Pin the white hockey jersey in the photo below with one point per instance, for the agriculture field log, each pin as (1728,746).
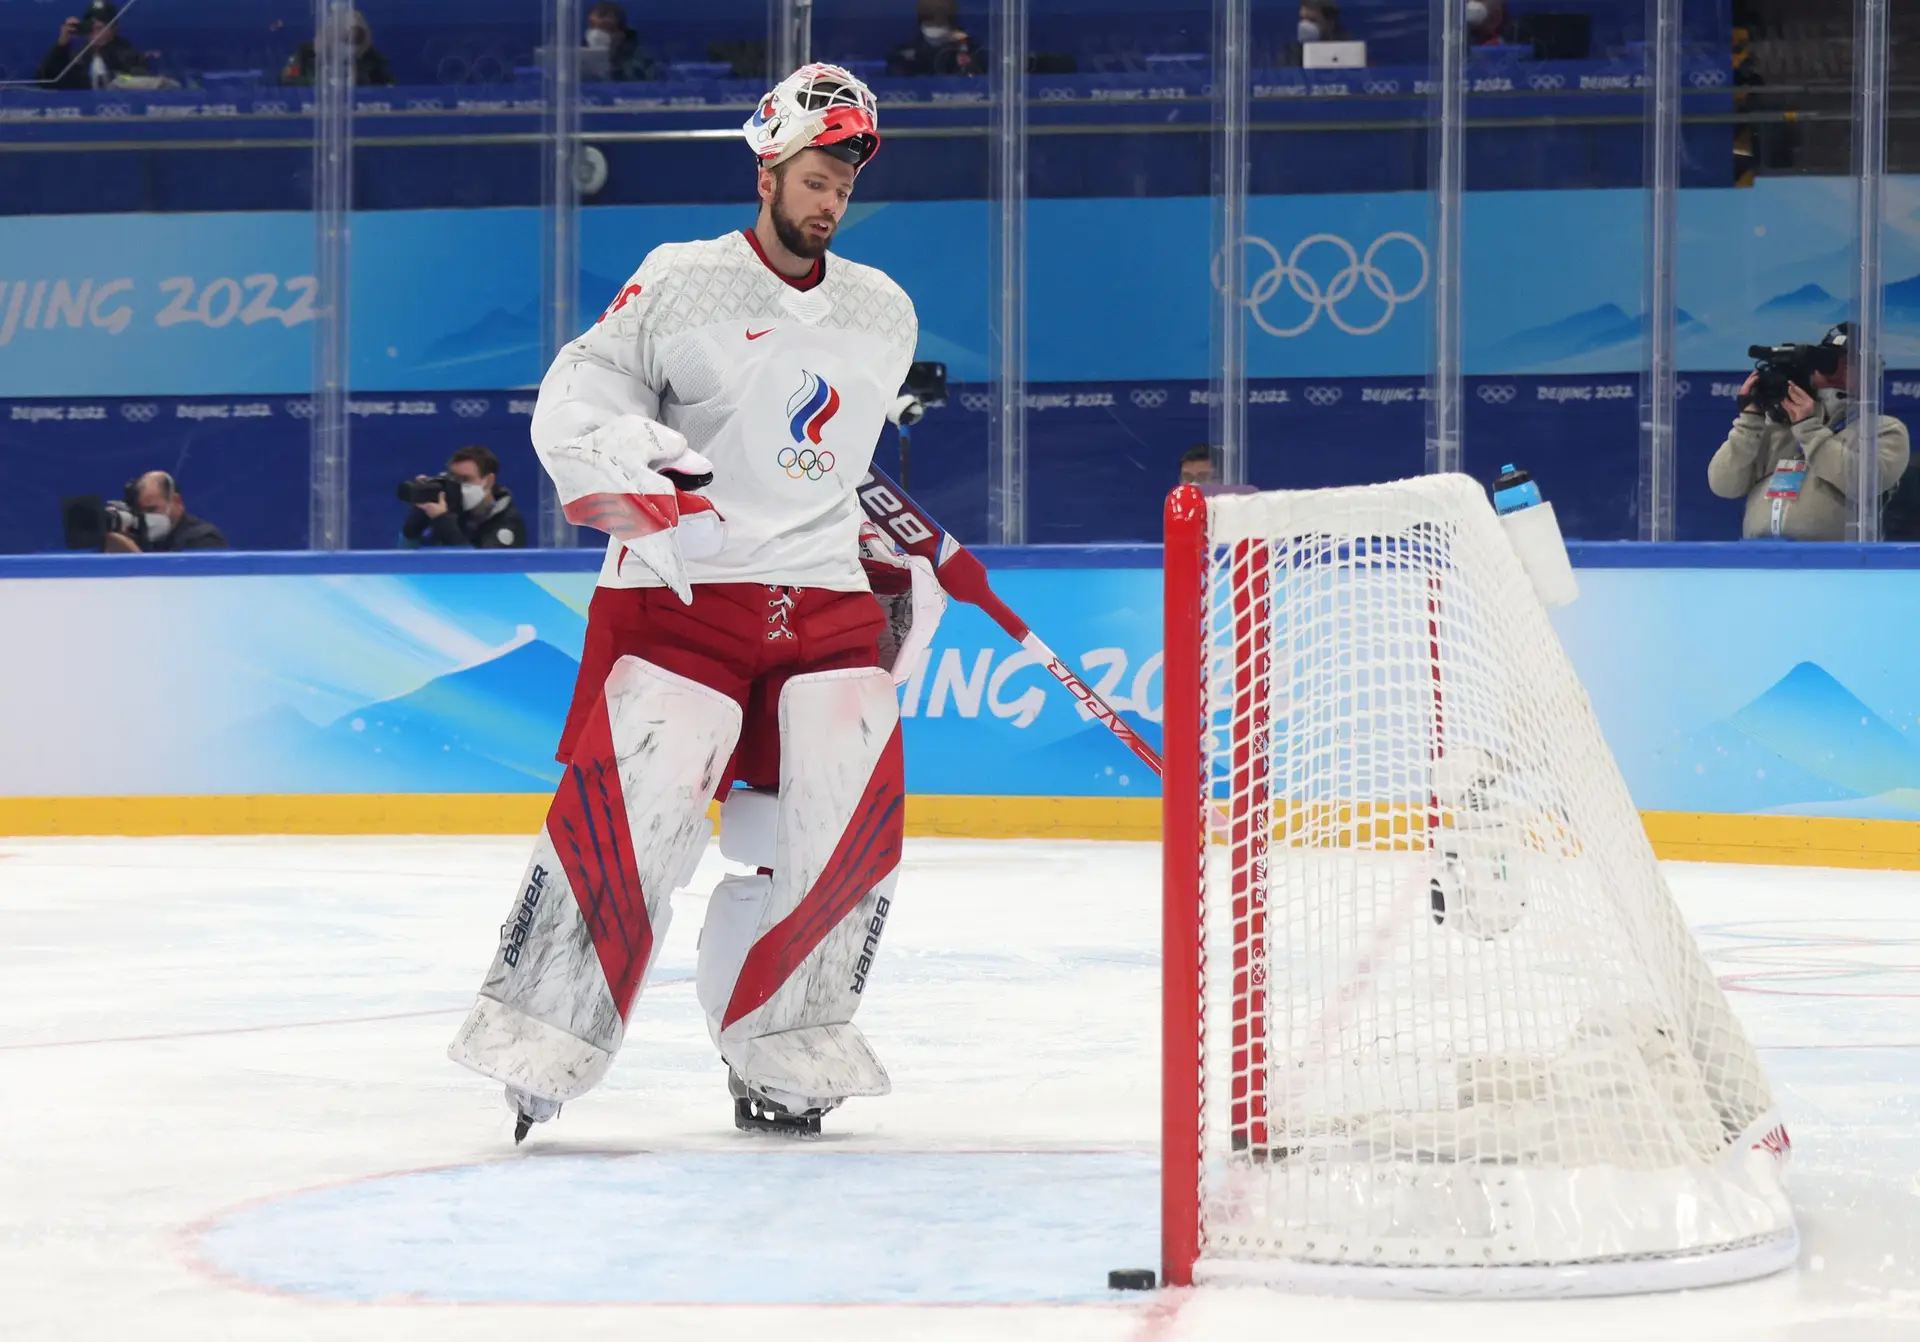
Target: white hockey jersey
(782,384)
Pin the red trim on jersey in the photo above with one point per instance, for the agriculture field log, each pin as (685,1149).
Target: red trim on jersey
(806,281)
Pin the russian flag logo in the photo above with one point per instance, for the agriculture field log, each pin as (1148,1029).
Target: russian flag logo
(810,408)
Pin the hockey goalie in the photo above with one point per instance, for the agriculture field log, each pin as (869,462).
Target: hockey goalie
(715,423)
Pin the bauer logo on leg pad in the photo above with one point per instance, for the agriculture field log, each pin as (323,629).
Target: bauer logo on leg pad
(514,936)
(875,926)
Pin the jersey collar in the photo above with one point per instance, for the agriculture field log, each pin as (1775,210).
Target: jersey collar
(810,280)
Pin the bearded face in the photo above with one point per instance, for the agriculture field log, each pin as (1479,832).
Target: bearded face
(808,199)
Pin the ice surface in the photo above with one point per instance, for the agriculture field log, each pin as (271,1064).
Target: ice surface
(229,1115)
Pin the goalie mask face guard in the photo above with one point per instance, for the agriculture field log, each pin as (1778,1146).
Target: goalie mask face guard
(816,107)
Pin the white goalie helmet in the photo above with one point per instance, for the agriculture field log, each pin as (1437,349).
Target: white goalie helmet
(816,107)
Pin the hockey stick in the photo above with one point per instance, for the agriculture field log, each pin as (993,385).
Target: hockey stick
(965,578)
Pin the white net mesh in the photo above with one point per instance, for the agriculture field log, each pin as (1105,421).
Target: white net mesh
(1451,1016)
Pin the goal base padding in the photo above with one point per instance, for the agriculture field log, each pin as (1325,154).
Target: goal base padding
(1626,1276)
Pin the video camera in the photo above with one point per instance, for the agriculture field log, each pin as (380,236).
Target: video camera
(442,488)
(1782,367)
(86,520)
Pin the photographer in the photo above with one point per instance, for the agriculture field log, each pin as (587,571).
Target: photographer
(1793,453)
(466,506)
(155,520)
(103,54)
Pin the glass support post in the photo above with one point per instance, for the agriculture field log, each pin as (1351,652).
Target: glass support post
(1446,187)
(1659,376)
(329,448)
(1870,43)
(1007,278)
(559,223)
(1232,159)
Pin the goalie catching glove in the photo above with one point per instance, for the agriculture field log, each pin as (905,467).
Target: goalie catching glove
(634,479)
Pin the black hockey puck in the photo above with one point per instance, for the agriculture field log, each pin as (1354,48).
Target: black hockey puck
(1130,1279)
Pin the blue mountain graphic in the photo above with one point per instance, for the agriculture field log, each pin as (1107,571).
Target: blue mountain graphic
(510,335)
(507,712)
(280,751)
(1903,301)
(1583,333)
(1811,720)
(1807,746)
(1807,303)
(1720,768)
(500,334)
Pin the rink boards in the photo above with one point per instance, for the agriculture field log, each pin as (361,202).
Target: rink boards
(1759,699)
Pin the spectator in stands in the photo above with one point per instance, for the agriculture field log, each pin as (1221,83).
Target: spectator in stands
(1486,22)
(166,525)
(627,60)
(95,62)
(940,48)
(370,69)
(1800,478)
(486,518)
(1319,22)
(1196,465)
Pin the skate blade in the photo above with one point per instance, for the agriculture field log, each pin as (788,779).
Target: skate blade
(747,1119)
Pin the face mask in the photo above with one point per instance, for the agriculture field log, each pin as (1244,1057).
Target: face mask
(472,496)
(599,39)
(1832,401)
(1476,13)
(1309,31)
(934,32)
(159,525)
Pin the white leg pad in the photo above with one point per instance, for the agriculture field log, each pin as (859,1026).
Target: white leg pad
(781,1008)
(811,1067)
(510,1046)
(690,865)
(625,827)
(733,920)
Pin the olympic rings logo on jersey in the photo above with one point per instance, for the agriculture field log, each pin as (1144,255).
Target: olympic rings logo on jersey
(1328,294)
(803,463)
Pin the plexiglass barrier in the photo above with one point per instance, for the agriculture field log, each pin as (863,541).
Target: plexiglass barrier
(1285,244)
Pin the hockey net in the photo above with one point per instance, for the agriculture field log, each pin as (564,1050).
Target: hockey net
(1434,1022)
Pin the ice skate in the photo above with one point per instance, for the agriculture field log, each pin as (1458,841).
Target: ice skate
(756,1111)
(528,1109)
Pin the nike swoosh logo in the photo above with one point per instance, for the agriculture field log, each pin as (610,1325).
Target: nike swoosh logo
(755,335)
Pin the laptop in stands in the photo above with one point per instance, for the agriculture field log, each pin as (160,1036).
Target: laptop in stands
(1333,55)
